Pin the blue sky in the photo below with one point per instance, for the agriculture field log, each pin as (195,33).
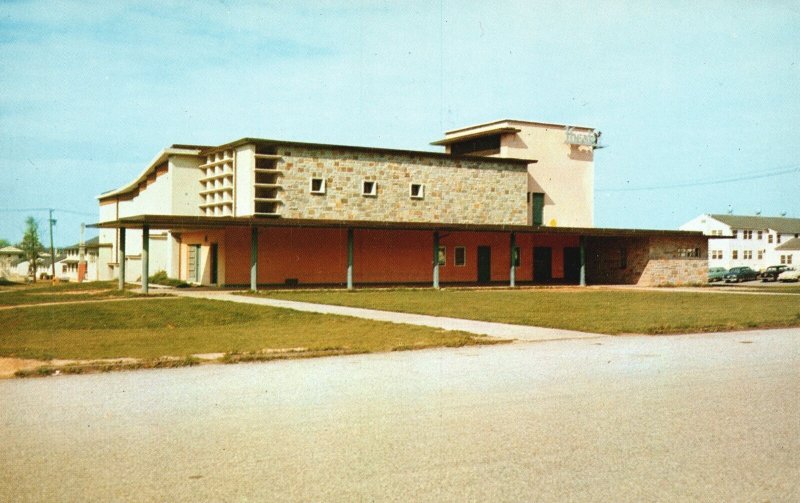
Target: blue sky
(684,92)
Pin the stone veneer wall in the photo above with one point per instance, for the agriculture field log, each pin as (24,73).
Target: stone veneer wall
(457,190)
(651,261)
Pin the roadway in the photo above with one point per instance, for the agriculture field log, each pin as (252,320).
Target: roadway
(711,417)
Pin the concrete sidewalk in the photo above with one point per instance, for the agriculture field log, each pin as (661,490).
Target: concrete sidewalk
(491,329)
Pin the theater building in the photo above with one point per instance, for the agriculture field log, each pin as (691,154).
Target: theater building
(507,202)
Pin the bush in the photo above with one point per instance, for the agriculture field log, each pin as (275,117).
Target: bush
(161,278)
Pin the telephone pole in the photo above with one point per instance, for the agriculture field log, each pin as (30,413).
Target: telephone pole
(52,249)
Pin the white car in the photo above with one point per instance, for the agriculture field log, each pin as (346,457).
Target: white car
(789,275)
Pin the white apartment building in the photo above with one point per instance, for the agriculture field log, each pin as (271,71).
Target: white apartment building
(754,241)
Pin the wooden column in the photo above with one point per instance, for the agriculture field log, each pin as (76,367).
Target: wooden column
(121,258)
(254,258)
(350,246)
(583,261)
(436,259)
(145,258)
(513,271)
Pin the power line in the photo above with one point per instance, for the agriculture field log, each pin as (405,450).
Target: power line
(60,210)
(709,182)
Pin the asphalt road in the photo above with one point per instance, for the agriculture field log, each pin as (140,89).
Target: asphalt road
(680,418)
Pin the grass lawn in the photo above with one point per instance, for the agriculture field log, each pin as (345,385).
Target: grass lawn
(772,288)
(590,310)
(44,292)
(180,327)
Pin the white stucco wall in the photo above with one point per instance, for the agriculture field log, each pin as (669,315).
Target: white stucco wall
(185,185)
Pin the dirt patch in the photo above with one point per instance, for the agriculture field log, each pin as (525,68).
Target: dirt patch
(8,366)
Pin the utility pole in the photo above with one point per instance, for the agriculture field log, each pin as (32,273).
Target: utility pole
(82,256)
(52,249)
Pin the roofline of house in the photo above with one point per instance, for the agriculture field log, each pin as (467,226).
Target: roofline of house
(521,163)
(188,222)
(158,160)
(535,123)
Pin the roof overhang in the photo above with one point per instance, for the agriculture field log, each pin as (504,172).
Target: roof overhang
(160,159)
(180,223)
(447,140)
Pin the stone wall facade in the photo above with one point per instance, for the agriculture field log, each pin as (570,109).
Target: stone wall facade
(647,261)
(456,190)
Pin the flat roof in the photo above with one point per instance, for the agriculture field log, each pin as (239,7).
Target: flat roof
(374,150)
(535,123)
(188,222)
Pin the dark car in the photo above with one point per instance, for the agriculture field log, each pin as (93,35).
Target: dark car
(772,272)
(737,274)
(716,274)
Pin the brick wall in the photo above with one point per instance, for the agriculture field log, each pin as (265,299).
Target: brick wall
(653,261)
(456,190)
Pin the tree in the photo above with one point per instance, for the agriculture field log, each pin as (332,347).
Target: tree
(31,246)
(4,243)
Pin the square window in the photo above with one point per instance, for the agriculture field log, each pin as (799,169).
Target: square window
(417,191)
(369,188)
(460,256)
(442,255)
(317,186)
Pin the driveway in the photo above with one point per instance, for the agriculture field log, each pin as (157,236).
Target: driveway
(712,417)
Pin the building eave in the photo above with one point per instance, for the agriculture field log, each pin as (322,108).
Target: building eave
(519,163)
(190,222)
(159,159)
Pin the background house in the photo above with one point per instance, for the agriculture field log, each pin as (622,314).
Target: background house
(754,241)
(68,267)
(9,256)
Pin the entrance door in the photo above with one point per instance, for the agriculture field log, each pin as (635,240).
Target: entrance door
(484,264)
(542,264)
(572,265)
(193,264)
(213,259)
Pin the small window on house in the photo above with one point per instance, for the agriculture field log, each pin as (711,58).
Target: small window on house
(748,254)
(369,188)
(778,238)
(760,234)
(760,254)
(442,258)
(769,238)
(460,256)
(417,191)
(735,254)
(317,186)
(516,256)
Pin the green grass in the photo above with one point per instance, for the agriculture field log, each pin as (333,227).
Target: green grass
(180,327)
(44,292)
(599,311)
(782,288)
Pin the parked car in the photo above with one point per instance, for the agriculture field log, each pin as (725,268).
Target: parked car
(771,273)
(737,274)
(716,274)
(789,274)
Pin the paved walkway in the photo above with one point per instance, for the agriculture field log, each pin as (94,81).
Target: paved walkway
(499,330)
